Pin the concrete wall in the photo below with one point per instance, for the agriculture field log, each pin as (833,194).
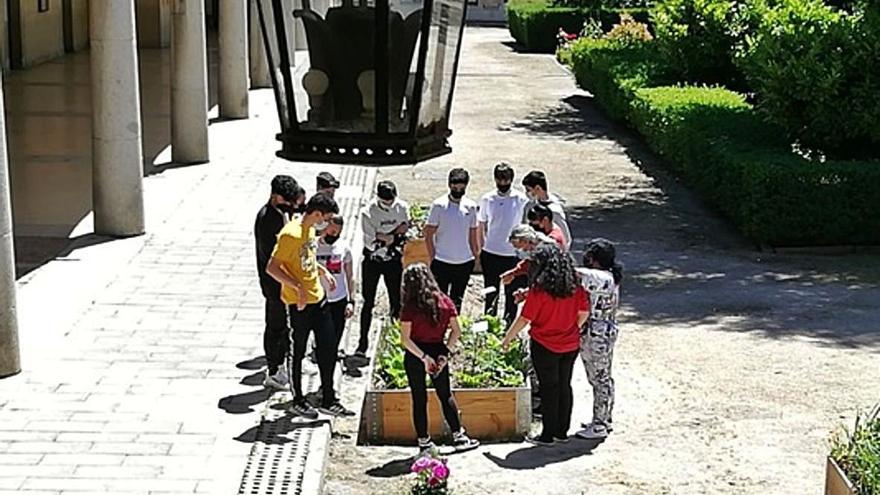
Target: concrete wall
(80,23)
(153,23)
(42,33)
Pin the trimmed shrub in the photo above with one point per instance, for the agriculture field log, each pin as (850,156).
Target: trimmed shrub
(717,143)
(534,24)
(701,37)
(815,72)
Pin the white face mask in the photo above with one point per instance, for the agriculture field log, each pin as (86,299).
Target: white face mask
(531,195)
(321,226)
(522,254)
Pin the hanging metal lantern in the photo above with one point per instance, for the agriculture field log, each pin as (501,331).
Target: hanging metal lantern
(377,86)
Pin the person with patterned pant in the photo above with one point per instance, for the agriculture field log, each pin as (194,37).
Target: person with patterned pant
(600,277)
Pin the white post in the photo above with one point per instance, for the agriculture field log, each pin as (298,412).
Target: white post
(117,155)
(10,359)
(259,64)
(189,83)
(233,47)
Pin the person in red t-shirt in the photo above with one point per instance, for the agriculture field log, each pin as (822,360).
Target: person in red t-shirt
(426,315)
(555,308)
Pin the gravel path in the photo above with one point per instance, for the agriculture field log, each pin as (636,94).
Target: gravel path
(733,364)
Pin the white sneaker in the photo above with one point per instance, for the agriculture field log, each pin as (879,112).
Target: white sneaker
(278,381)
(593,432)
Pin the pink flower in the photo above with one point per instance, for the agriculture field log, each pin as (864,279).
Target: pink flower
(441,471)
(421,464)
(433,482)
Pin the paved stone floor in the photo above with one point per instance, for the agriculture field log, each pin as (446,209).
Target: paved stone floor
(733,365)
(141,370)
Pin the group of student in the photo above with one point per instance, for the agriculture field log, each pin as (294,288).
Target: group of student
(522,240)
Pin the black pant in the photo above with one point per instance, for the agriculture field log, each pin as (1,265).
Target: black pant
(337,314)
(453,279)
(415,374)
(371,270)
(315,317)
(493,266)
(276,338)
(554,373)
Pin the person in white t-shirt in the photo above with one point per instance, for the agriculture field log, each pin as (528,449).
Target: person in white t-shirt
(336,258)
(451,237)
(500,211)
(535,184)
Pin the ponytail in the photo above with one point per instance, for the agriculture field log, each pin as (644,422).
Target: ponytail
(617,271)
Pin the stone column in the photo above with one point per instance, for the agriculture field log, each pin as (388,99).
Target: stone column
(10,359)
(189,83)
(233,45)
(117,155)
(259,64)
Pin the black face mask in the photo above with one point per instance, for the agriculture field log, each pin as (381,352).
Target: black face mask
(300,208)
(330,239)
(503,189)
(456,194)
(537,228)
(285,208)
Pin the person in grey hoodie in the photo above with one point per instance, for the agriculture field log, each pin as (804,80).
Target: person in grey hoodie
(384,221)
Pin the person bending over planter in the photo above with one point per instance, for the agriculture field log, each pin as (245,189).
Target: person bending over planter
(426,315)
(600,277)
(556,308)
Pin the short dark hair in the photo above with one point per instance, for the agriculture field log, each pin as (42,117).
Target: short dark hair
(503,171)
(539,212)
(338,220)
(322,202)
(459,176)
(535,178)
(325,180)
(285,186)
(386,190)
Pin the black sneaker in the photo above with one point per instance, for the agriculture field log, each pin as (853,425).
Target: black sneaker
(336,409)
(462,443)
(561,439)
(539,440)
(353,372)
(303,409)
(360,358)
(426,445)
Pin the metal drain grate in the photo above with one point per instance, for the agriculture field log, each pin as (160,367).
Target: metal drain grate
(277,460)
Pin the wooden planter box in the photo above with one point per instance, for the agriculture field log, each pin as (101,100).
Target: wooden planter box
(415,251)
(836,482)
(497,414)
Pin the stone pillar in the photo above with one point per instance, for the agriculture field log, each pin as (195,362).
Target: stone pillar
(117,155)
(233,45)
(10,359)
(259,64)
(189,83)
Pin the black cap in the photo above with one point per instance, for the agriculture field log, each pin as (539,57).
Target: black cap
(386,190)
(326,179)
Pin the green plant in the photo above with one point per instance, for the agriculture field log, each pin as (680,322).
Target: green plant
(857,452)
(628,32)
(814,70)
(700,37)
(418,216)
(479,363)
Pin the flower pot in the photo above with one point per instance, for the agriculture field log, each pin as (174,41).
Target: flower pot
(836,482)
(416,251)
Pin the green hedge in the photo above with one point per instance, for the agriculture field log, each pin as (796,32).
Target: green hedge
(716,142)
(534,24)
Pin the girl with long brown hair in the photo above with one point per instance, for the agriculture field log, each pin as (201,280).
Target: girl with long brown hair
(426,315)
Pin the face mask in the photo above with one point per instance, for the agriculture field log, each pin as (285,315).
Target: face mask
(503,189)
(285,208)
(530,195)
(522,254)
(300,208)
(456,194)
(386,205)
(538,228)
(320,226)
(330,239)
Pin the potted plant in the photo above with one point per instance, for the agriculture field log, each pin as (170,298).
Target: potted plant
(415,250)
(490,387)
(853,468)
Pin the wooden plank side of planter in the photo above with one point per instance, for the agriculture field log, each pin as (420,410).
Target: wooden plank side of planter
(836,482)
(487,414)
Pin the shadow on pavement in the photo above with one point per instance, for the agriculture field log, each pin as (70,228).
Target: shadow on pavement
(253,380)
(243,403)
(279,427)
(535,457)
(391,469)
(256,363)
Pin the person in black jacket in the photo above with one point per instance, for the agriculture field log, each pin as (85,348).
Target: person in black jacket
(286,196)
